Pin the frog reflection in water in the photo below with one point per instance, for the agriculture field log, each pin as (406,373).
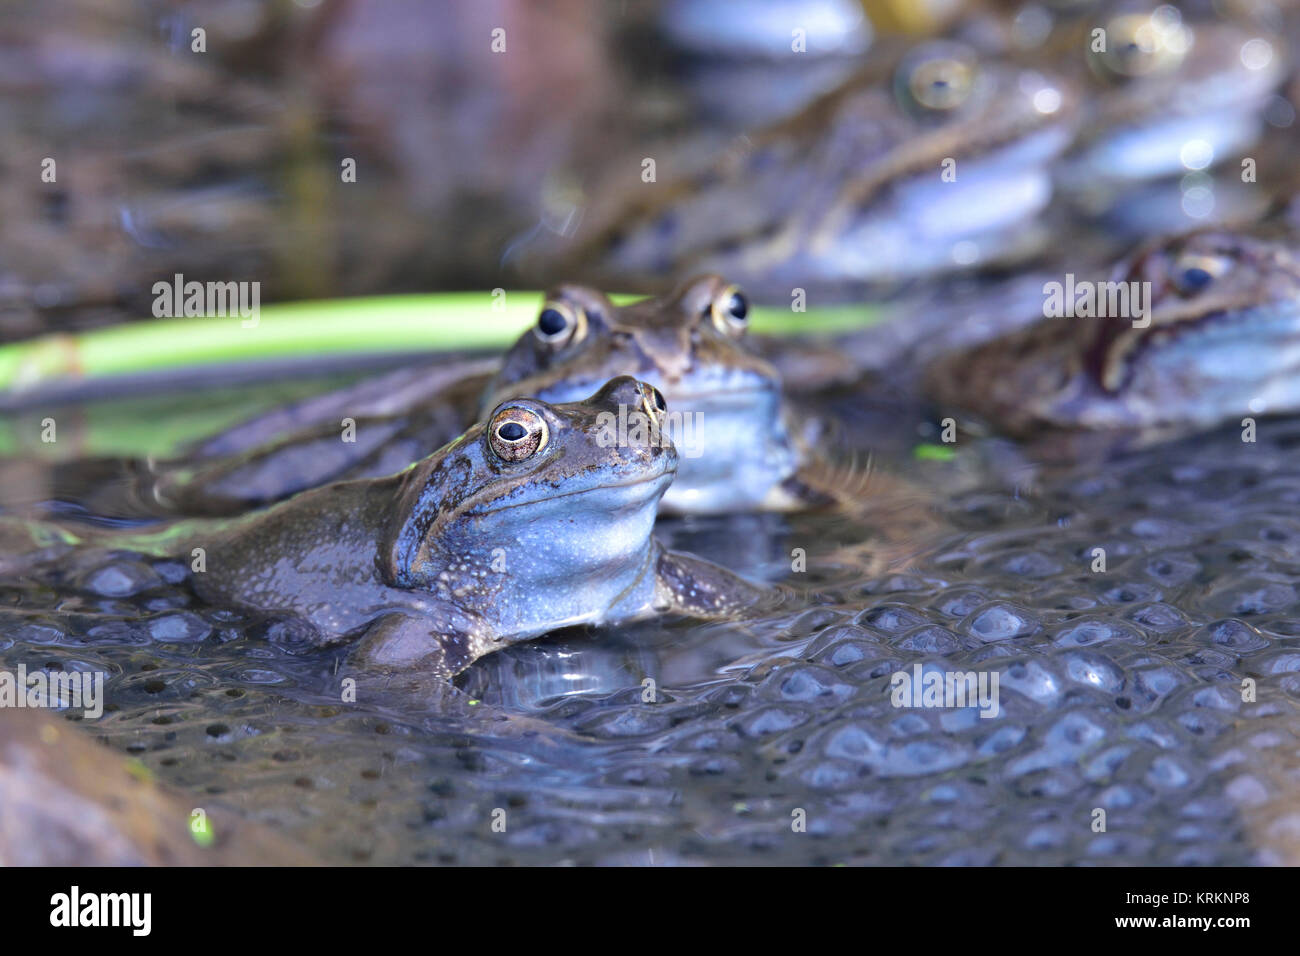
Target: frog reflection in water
(1222,344)
(531,521)
(727,419)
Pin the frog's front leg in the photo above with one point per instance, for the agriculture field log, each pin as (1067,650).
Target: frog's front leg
(407,661)
(414,643)
(685,584)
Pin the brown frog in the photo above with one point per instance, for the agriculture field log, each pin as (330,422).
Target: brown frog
(930,161)
(1218,341)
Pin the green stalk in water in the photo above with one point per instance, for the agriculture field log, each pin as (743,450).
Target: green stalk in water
(337,327)
(104,385)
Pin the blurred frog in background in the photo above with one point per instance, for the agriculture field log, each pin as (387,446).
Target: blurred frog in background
(734,57)
(1217,342)
(1170,99)
(1181,127)
(962,155)
(928,162)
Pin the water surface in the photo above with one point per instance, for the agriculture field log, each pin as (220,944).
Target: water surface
(1120,690)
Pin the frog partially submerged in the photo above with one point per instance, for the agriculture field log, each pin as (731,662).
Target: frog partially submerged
(536,519)
(728,419)
(1220,342)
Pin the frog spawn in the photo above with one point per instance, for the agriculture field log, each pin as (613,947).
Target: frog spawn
(1119,690)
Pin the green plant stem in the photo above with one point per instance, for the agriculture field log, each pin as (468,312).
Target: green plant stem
(383,324)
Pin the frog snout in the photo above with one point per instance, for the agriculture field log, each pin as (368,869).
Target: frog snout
(630,395)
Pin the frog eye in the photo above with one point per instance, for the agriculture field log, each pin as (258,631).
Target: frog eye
(560,323)
(936,83)
(1191,274)
(1137,46)
(517,433)
(730,311)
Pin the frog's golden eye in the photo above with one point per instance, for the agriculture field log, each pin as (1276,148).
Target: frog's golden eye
(1137,45)
(517,433)
(1192,274)
(730,311)
(936,83)
(560,323)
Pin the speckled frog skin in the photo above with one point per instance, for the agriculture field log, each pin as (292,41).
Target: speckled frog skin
(529,522)
(1222,344)
(727,414)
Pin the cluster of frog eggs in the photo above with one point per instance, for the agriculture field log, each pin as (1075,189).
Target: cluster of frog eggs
(1120,691)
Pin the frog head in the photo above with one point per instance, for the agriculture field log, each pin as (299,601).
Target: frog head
(725,401)
(540,513)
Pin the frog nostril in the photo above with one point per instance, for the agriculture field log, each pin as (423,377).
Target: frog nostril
(623,390)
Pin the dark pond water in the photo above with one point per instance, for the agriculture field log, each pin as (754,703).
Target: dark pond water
(1119,690)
